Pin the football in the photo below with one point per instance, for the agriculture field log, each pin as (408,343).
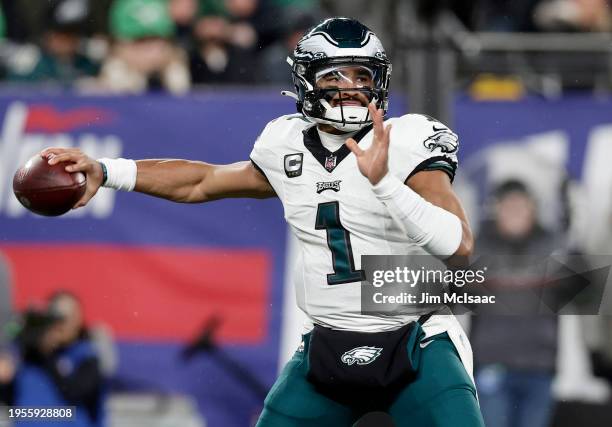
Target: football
(48,189)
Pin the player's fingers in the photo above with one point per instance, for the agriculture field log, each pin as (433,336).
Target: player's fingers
(82,202)
(63,157)
(372,110)
(85,199)
(81,163)
(377,121)
(54,151)
(71,156)
(79,166)
(387,137)
(51,151)
(352,145)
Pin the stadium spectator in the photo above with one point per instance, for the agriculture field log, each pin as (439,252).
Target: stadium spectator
(505,15)
(59,365)
(228,34)
(7,373)
(515,353)
(60,59)
(379,14)
(144,56)
(184,14)
(99,12)
(273,62)
(67,307)
(573,15)
(25,20)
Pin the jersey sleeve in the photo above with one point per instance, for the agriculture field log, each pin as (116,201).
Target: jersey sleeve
(265,155)
(261,154)
(421,143)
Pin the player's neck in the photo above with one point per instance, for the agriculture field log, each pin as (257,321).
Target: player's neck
(333,141)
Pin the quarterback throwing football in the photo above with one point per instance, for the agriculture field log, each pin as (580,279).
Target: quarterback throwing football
(351,184)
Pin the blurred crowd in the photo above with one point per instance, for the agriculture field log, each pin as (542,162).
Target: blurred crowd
(534,15)
(129,46)
(49,357)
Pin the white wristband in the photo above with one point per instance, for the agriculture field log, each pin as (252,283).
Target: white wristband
(386,186)
(438,231)
(120,173)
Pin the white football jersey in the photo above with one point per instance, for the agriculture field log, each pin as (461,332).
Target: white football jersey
(335,215)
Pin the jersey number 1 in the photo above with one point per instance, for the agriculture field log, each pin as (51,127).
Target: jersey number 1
(339,242)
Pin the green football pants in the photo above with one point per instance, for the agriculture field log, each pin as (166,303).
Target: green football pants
(443,395)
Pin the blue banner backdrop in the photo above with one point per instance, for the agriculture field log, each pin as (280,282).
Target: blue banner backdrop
(217,127)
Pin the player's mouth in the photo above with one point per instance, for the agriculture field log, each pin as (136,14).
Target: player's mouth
(352,101)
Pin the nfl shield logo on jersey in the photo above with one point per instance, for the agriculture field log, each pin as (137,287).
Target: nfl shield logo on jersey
(293,164)
(330,163)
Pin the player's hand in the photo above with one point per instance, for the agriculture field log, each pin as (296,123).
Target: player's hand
(373,162)
(80,162)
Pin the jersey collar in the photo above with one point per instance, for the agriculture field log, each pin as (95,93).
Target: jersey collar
(326,158)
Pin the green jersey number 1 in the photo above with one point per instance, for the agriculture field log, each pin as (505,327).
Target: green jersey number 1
(339,242)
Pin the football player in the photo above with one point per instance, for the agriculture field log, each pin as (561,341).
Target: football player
(351,184)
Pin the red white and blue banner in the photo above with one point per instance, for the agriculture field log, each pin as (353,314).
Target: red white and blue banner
(155,272)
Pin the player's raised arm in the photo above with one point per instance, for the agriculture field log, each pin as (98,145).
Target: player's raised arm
(435,187)
(426,208)
(177,180)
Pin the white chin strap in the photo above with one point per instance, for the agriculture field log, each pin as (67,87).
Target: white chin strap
(352,116)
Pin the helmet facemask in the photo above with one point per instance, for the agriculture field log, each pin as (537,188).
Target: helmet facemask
(345,48)
(337,91)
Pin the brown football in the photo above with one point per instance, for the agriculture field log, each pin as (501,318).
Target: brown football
(48,189)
